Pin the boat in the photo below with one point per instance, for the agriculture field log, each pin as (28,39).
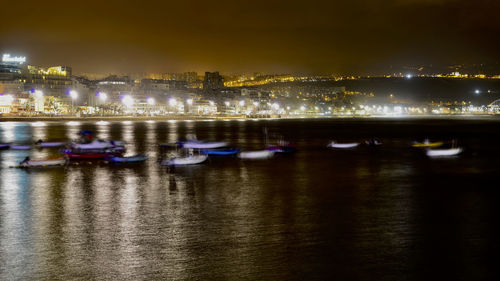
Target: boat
(49,144)
(4,146)
(203,145)
(444,152)
(221,151)
(257,154)
(427,143)
(91,155)
(43,162)
(20,147)
(128,159)
(334,144)
(90,148)
(185,160)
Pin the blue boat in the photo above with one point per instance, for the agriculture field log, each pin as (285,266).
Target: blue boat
(221,152)
(128,159)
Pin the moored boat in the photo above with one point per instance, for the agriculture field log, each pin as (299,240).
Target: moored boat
(221,151)
(257,154)
(49,144)
(43,162)
(185,160)
(334,144)
(20,147)
(204,145)
(444,152)
(4,146)
(128,159)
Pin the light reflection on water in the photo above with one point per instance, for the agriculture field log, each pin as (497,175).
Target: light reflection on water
(360,214)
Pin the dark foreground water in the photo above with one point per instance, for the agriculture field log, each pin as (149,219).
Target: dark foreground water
(388,213)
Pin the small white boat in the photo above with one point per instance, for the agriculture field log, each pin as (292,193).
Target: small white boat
(204,145)
(444,152)
(334,144)
(258,154)
(43,163)
(186,160)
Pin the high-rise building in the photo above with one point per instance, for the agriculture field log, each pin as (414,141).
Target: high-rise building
(213,81)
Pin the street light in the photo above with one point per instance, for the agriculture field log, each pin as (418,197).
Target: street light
(74,95)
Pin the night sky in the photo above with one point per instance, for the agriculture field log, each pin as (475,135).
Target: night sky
(339,37)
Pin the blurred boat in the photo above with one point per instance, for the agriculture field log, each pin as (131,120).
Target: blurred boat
(20,147)
(43,162)
(221,151)
(258,154)
(185,160)
(41,143)
(334,144)
(427,143)
(204,145)
(4,146)
(128,159)
(444,152)
(89,148)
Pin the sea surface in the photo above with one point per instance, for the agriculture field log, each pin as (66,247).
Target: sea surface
(384,213)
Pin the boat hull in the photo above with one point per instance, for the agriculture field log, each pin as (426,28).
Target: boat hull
(131,159)
(443,152)
(181,161)
(44,163)
(259,154)
(222,152)
(343,145)
(204,145)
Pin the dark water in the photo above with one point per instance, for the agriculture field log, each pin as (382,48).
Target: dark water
(388,213)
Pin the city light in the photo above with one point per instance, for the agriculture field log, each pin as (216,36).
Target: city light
(226,103)
(189,101)
(211,103)
(408,76)
(255,103)
(150,101)
(73,94)
(303,108)
(103,96)
(477,91)
(128,101)
(276,106)
(172,102)
(38,94)
(8,58)
(242,102)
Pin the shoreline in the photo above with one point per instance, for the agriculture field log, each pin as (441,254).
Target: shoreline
(226,118)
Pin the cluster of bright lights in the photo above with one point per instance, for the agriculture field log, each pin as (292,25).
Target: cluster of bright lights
(172,102)
(73,94)
(103,96)
(128,101)
(150,101)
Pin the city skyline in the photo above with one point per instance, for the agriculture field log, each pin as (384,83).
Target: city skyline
(322,37)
